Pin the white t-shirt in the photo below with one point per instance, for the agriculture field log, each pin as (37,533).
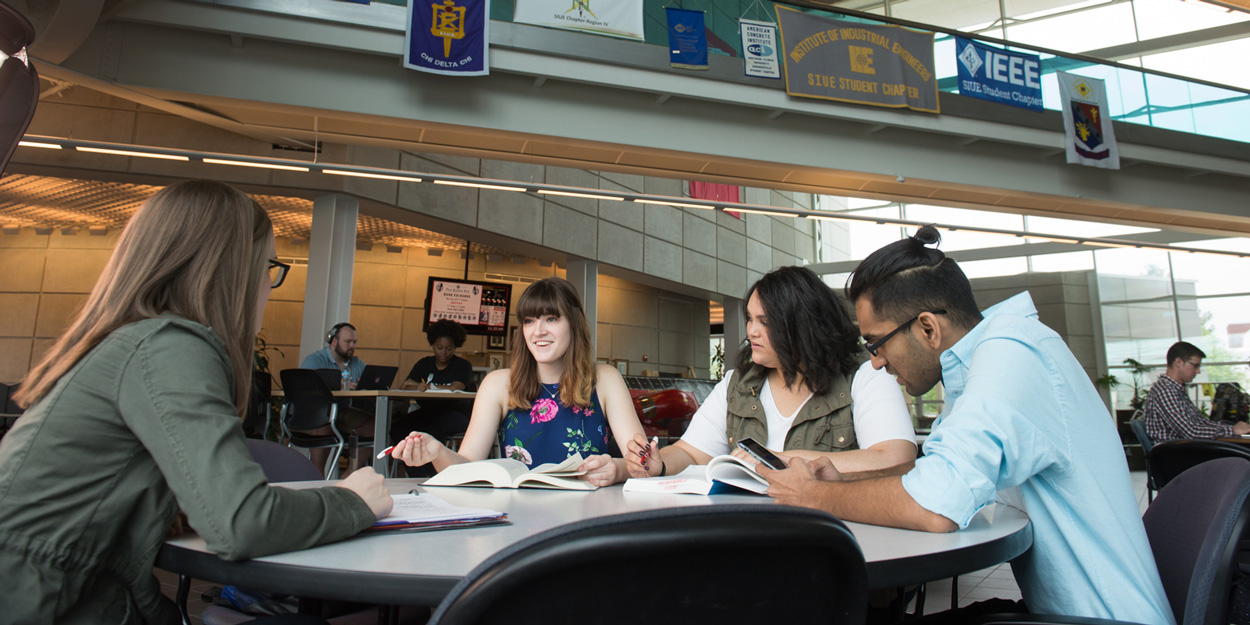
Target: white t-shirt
(878,410)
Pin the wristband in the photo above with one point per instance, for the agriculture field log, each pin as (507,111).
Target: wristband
(663,469)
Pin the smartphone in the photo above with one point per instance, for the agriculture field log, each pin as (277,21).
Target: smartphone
(761,453)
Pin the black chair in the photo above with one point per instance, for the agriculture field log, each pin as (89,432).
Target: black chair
(310,406)
(729,564)
(1194,526)
(281,463)
(1171,458)
(1138,425)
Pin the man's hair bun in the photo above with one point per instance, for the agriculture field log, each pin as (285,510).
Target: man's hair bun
(928,235)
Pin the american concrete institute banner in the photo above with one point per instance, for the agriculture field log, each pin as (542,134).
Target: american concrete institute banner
(617,18)
(448,37)
(853,62)
(1087,132)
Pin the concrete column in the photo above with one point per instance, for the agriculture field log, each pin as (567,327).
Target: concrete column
(735,330)
(584,274)
(331,253)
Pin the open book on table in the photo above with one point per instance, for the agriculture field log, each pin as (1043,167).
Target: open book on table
(722,474)
(426,511)
(509,473)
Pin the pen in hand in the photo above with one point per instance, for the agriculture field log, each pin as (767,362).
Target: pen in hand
(382,454)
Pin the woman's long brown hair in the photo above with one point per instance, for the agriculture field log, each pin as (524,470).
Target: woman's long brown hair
(196,249)
(553,296)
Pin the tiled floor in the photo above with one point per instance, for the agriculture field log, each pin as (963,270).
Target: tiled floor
(996,582)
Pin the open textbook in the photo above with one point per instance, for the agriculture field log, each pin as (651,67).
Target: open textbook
(509,473)
(722,474)
(426,511)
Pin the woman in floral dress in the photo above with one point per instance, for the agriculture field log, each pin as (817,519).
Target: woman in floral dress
(553,402)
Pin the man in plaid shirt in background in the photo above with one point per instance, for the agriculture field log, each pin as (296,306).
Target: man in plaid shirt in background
(1169,413)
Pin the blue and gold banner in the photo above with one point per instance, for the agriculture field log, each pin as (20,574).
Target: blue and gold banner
(448,37)
(997,75)
(854,62)
(687,39)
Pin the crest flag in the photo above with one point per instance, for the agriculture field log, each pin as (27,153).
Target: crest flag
(687,39)
(448,37)
(1088,136)
(616,18)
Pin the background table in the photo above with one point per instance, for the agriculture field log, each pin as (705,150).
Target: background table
(419,568)
(382,413)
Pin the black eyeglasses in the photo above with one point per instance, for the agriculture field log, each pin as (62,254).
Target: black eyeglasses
(277,272)
(875,345)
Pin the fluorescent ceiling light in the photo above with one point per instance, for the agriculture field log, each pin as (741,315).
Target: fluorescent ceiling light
(585,195)
(218,161)
(38,144)
(168,157)
(360,174)
(760,212)
(681,204)
(476,185)
(1108,244)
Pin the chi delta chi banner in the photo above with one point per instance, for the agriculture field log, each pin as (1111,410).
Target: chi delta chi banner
(1087,131)
(759,49)
(687,39)
(853,62)
(996,75)
(448,37)
(617,18)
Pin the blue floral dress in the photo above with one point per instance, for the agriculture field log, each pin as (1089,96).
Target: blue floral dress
(550,431)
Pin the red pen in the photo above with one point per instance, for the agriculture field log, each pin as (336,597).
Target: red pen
(383,453)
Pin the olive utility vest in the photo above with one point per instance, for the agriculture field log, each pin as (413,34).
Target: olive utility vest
(824,423)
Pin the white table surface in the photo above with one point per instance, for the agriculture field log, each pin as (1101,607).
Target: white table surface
(421,567)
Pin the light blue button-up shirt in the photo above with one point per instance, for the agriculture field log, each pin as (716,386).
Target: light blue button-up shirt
(324,359)
(1021,412)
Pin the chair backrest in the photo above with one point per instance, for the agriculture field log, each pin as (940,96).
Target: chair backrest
(724,564)
(1194,526)
(1169,459)
(310,398)
(281,463)
(1139,430)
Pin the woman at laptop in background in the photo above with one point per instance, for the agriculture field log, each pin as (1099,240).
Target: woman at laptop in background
(553,402)
(135,413)
(444,371)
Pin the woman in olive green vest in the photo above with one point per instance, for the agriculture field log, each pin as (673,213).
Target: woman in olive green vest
(135,414)
(801,386)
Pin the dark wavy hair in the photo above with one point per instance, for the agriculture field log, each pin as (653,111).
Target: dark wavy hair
(908,277)
(808,327)
(446,328)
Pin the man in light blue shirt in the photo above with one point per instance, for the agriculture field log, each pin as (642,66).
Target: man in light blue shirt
(1021,417)
(339,354)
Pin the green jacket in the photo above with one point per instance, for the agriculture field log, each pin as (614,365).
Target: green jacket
(824,423)
(92,476)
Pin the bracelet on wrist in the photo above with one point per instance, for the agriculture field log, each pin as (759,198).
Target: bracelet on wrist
(663,469)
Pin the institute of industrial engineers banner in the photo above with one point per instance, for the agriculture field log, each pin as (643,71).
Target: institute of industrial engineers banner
(448,37)
(852,62)
(618,18)
(1087,131)
(996,75)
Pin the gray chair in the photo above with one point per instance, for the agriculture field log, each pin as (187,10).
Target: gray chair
(1172,458)
(747,564)
(1194,526)
(310,406)
(1138,425)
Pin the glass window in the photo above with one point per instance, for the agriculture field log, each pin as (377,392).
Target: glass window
(1160,18)
(1099,27)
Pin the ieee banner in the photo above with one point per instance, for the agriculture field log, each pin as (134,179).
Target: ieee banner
(618,18)
(1088,136)
(853,62)
(448,37)
(996,75)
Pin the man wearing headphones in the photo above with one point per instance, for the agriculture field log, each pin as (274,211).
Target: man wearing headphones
(339,354)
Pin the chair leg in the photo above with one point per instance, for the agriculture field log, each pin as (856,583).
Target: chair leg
(955,592)
(332,464)
(184,589)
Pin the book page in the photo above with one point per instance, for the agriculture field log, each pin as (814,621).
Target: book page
(567,468)
(736,472)
(427,507)
(543,480)
(497,472)
(693,480)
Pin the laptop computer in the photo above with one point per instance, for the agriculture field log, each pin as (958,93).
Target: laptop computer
(376,378)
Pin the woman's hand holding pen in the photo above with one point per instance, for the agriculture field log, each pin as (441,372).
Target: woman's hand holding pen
(600,470)
(417,449)
(642,456)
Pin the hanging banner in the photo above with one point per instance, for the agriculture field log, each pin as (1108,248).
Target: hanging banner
(853,62)
(996,75)
(1088,135)
(759,49)
(687,39)
(448,37)
(615,18)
